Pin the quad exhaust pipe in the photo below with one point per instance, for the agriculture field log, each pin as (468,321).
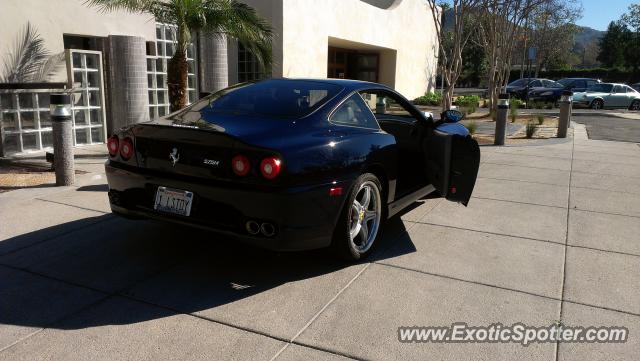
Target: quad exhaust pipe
(252,227)
(266,229)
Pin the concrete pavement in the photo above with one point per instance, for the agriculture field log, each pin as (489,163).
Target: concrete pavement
(551,234)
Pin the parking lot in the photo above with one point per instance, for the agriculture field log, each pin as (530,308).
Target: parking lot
(611,128)
(550,235)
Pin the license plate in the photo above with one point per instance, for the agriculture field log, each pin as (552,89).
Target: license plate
(173,201)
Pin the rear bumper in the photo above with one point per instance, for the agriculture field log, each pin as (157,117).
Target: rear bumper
(304,217)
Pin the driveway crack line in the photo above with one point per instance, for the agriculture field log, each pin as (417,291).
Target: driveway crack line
(566,242)
(320,312)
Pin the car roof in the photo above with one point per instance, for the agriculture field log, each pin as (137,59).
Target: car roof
(349,84)
(580,79)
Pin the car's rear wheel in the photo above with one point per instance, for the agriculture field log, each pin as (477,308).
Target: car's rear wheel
(635,105)
(360,219)
(597,104)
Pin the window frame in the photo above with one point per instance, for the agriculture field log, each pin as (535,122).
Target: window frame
(415,113)
(346,98)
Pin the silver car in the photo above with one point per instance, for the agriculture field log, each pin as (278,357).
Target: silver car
(608,95)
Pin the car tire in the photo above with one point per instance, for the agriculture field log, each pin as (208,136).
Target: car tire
(358,220)
(635,105)
(597,104)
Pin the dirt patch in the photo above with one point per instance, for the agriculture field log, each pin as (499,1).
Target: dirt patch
(14,177)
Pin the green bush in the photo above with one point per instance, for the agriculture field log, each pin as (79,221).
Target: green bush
(537,105)
(468,103)
(472,127)
(540,118)
(530,130)
(514,105)
(430,98)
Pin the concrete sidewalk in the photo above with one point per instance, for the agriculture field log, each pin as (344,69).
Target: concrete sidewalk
(551,234)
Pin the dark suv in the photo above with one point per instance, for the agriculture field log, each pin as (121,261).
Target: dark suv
(578,84)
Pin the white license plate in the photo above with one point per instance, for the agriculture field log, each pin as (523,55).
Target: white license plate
(173,201)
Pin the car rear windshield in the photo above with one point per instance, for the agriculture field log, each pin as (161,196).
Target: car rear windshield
(272,98)
(600,88)
(519,82)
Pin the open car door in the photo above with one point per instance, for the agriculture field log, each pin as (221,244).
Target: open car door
(453,159)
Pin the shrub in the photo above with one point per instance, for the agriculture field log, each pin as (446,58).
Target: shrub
(471,127)
(530,130)
(468,103)
(515,103)
(513,113)
(537,105)
(540,118)
(430,98)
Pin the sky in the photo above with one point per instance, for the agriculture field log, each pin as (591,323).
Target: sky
(597,14)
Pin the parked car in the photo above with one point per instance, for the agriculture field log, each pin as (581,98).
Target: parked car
(520,88)
(550,92)
(608,95)
(577,85)
(291,164)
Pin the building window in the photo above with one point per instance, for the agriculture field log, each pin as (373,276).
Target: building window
(249,68)
(87,97)
(165,46)
(82,42)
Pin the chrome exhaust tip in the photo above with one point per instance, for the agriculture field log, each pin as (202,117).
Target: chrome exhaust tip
(252,227)
(267,229)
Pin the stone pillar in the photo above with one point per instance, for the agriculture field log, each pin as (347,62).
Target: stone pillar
(127,90)
(214,66)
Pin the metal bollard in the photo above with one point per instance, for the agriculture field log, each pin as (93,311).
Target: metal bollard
(501,119)
(565,113)
(60,110)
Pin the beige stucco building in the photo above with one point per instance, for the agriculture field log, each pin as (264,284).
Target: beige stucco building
(388,41)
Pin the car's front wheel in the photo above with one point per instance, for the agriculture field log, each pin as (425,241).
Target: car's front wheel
(360,219)
(635,105)
(597,104)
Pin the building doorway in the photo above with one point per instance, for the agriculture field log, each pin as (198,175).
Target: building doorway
(353,64)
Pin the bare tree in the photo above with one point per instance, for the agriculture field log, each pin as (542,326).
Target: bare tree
(452,41)
(499,27)
(552,29)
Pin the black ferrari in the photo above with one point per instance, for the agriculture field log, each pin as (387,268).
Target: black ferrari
(291,164)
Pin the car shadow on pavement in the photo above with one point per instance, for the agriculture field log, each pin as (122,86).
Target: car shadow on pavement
(47,276)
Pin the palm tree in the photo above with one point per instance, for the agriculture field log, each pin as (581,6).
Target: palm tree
(29,61)
(212,17)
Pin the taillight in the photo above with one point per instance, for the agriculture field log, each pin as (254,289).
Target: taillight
(126,148)
(240,165)
(113,145)
(270,167)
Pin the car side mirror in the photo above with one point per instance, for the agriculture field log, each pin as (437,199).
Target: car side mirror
(452,116)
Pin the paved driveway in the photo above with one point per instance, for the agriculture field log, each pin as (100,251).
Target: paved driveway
(551,234)
(611,128)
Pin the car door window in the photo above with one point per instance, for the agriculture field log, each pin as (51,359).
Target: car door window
(619,89)
(535,84)
(383,103)
(353,112)
(580,84)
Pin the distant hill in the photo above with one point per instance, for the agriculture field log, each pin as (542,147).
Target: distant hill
(585,35)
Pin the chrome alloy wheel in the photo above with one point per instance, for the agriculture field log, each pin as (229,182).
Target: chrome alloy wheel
(364,217)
